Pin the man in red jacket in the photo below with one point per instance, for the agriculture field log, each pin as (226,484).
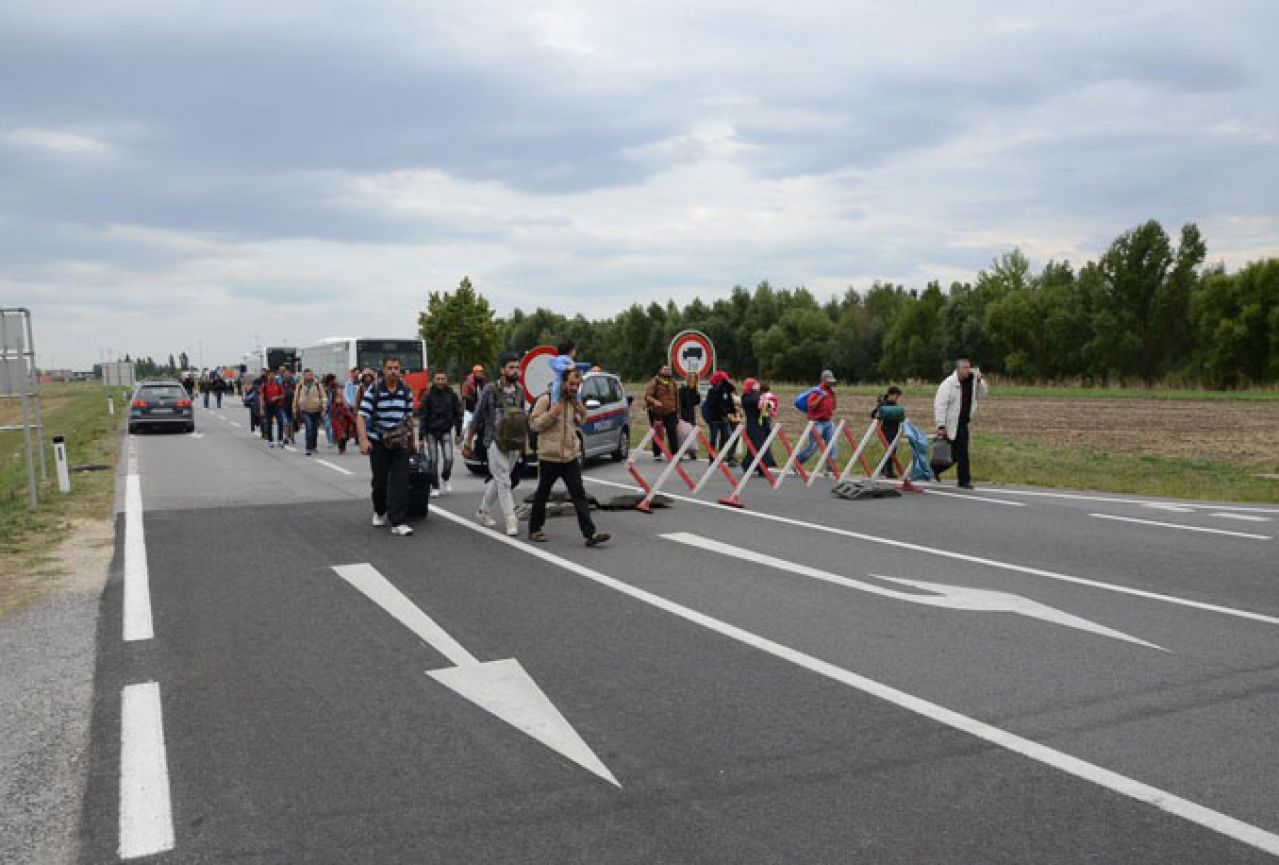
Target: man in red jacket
(821,410)
(272,396)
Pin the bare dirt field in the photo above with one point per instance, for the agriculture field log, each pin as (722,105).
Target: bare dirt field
(1242,433)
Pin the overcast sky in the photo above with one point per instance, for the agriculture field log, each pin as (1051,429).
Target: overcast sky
(186,175)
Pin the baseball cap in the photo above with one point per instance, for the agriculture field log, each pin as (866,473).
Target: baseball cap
(828,376)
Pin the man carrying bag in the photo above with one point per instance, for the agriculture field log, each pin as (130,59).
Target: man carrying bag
(385,431)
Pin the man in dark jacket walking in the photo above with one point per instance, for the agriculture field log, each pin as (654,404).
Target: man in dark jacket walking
(439,426)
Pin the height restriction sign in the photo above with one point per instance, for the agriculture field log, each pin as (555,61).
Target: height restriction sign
(692,352)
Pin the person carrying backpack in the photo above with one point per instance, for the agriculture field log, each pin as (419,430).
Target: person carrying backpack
(662,400)
(309,404)
(556,422)
(503,425)
(820,409)
(889,426)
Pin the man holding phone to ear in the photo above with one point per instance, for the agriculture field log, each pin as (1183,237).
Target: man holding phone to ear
(954,406)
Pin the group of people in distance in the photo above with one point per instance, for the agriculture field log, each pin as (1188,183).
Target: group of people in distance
(672,410)
(492,423)
(489,419)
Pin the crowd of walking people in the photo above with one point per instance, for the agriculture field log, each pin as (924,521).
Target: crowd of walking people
(491,421)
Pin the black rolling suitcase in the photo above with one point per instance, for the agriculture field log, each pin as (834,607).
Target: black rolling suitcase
(420,476)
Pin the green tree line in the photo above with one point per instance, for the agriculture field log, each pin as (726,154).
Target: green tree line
(1146,311)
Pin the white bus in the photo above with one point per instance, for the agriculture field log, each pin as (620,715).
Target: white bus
(338,354)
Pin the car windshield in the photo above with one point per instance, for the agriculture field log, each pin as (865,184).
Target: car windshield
(162,392)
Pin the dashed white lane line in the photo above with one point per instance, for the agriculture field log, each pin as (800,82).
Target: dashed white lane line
(1203,529)
(335,468)
(1193,812)
(982,500)
(236,423)
(965,557)
(146,811)
(1118,501)
(1244,517)
(137,579)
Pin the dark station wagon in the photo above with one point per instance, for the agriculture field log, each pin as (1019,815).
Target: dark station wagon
(160,404)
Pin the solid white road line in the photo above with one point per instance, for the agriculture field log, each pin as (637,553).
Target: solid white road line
(1245,517)
(1114,500)
(1229,826)
(1179,526)
(146,813)
(934,492)
(137,579)
(964,557)
(335,468)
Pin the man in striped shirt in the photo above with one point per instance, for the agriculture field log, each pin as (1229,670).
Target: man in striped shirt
(388,404)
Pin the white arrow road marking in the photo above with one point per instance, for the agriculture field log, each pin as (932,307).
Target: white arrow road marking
(501,688)
(335,468)
(1179,526)
(957,556)
(948,597)
(1165,801)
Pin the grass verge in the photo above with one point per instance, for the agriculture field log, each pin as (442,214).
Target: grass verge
(77,411)
(1001,459)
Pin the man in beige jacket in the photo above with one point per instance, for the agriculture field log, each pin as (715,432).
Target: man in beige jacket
(309,402)
(558,450)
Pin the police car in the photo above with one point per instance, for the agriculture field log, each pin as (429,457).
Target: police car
(607,430)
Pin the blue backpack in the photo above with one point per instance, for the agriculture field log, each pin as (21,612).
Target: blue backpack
(801,401)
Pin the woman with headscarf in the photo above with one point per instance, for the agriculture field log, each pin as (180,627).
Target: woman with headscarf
(759,420)
(720,411)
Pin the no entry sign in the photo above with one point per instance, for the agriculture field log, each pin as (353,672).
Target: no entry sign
(692,352)
(535,371)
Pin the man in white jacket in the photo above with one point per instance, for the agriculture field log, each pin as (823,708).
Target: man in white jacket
(954,406)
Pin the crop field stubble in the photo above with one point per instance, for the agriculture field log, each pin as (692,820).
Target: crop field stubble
(1214,445)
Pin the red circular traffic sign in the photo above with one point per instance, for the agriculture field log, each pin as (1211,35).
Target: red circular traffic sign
(692,351)
(536,374)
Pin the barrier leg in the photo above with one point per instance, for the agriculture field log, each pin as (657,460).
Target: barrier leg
(859,451)
(718,462)
(672,465)
(630,464)
(733,499)
(826,460)
(791,453)
(906,483)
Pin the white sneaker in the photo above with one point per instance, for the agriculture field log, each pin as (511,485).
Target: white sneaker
(482,517)
(379,519)
(435,494)
(401,530)
(448,487)
(512,526)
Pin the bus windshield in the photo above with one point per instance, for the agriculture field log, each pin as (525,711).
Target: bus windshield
(369,353)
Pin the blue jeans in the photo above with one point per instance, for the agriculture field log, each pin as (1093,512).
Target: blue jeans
(312,421)
(824,428)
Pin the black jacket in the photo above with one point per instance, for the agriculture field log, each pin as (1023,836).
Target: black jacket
(440,411)
(719,404)
(689,399)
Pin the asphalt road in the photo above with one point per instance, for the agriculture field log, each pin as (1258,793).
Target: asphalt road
(1090,679)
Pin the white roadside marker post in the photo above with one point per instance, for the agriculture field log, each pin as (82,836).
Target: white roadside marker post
(60,457)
